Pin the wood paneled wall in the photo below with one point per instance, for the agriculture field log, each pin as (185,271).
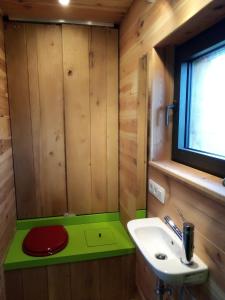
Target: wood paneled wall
(207,215)
(7,196)
(144,27)
(105,279)
(63,91)
(145,30)
(133,145)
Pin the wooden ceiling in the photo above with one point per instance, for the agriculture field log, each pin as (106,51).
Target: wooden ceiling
(109,11)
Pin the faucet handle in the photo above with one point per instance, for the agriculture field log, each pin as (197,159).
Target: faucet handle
(173,226)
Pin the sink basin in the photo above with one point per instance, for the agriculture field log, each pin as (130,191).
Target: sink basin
(163,250)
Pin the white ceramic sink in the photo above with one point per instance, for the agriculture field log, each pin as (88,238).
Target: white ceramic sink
(153,237)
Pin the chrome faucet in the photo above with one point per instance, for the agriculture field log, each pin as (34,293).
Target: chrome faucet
(187,238)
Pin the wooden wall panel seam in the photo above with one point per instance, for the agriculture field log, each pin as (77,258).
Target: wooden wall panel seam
(112,119)
(91,64)
(64,124)
(29,99)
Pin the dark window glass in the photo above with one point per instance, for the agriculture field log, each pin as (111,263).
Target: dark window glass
(199,118)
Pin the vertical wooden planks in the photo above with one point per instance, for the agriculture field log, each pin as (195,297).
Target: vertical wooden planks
(7,221)
(117,278)
(169,88)
(158,142)
(77,117)
(142,123)
(35,284)
(145,278)
(54,68)
(98,99)
(112,119)
(59,282)
(35,111)
(14,285)
(37,118)
(4,105)
(91,116)
(18,86)
(161,96)
(128,276)
(2,285)
(111,278)
(52,160)
(7,191)
(85,281)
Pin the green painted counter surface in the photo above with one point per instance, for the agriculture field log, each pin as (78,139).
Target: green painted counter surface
(83,239)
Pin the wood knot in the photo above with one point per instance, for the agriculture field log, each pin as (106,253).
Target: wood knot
(142,23)
(70,72)
(218,257)
(51,153)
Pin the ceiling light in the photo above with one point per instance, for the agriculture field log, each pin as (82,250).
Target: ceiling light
(64,2)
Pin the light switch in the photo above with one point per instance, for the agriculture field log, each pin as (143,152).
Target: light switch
(157,190)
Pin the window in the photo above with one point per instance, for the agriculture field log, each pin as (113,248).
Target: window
(199,116)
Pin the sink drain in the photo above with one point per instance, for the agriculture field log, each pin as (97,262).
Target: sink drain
(161,256)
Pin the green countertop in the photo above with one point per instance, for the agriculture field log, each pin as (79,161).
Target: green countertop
(84,241)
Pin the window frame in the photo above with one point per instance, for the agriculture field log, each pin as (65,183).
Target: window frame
(198,46)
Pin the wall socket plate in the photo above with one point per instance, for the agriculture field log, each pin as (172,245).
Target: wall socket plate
(157,190)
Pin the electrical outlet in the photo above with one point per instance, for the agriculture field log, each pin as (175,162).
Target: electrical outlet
(157,190)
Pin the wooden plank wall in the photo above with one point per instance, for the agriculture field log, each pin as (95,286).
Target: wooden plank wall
(133,143)
(64,118)
(7,195)
(207,215)
(111,279)
(146,27)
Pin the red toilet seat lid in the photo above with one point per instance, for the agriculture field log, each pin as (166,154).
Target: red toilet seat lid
(44,241)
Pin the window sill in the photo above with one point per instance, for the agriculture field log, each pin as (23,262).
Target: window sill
(205,183)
